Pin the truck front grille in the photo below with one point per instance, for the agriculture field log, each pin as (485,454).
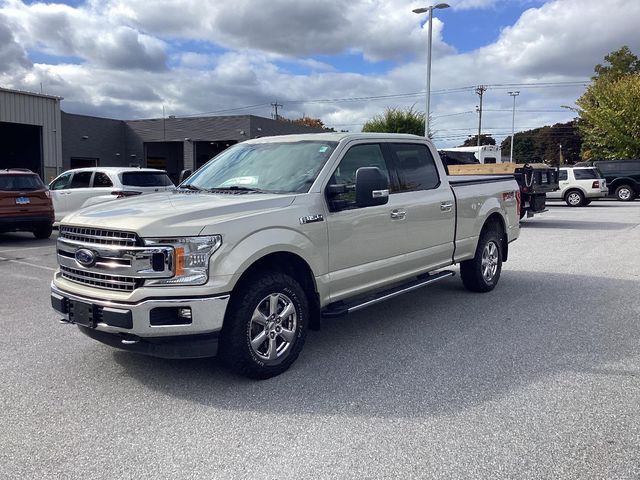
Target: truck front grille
(99,280)
(99,236)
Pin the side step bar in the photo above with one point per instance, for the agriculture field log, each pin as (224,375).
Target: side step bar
(338,309)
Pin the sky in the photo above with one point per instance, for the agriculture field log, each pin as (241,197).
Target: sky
(342,62)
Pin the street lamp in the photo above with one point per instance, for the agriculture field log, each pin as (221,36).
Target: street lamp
(430,11)
(513,122)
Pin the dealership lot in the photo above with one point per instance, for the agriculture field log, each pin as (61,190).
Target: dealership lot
(537,379)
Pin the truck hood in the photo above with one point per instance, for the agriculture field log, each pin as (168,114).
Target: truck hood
(176,213)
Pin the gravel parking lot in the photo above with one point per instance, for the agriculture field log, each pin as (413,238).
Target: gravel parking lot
(537,379)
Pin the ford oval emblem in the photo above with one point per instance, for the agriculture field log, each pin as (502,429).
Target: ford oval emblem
(85,257)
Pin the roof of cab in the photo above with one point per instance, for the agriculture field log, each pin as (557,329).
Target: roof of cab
(335,137)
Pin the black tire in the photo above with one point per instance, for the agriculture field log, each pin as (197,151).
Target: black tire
(625,193)
(574,198)
(253,297)
(43,232)
(473,271)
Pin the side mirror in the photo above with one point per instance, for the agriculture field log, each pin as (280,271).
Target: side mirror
(372,187)
(184,174)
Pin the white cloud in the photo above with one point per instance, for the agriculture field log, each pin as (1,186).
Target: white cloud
(126,47)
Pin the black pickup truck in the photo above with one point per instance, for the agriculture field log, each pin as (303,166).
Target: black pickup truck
(622,176)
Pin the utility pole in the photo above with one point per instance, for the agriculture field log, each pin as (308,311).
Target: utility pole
(275,107)
(513,123)
(480,91)
(561,161)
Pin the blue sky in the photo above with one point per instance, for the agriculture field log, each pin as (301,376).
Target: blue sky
(132,58)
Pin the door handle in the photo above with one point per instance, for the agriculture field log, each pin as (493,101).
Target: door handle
(446,206)
(398,214)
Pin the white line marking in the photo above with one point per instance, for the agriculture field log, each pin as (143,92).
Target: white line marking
(53,247)
(28,264)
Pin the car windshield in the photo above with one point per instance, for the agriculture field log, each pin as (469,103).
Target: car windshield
(146,179)
(274,167)
(14,183)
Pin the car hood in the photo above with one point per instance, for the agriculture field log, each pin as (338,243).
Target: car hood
(177,213)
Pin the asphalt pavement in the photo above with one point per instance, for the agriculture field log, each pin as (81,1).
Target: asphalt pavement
(538,379)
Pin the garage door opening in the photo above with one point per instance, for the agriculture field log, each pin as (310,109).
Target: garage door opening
(21,146)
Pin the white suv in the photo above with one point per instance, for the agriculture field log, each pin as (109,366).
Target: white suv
(580,185)
(81,187)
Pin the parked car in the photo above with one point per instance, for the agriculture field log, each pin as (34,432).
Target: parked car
(25,203)
(579,186)
(622,176)
(82,187)
(252,249)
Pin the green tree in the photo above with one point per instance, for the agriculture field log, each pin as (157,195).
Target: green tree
(308,122)
(621,63)
(396,120)
(608,110)
(484,140)
(543,144)
(610,118)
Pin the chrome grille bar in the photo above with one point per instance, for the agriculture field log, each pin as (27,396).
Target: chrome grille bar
(99,236)
(112,282)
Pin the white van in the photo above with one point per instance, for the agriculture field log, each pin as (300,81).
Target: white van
(484,153)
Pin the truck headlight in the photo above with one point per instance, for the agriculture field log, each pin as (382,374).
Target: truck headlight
(191,260)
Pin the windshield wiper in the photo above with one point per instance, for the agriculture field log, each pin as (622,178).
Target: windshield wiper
(192,187)
(238,188)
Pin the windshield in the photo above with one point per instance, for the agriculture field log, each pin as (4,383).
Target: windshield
(146,179)
(279,167)
(14,183)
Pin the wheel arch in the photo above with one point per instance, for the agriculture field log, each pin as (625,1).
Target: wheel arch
(619,181)
(294,266)
(496,221)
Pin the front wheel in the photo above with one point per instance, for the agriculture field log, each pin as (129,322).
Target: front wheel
(265,326)
(625,193)
(482,272)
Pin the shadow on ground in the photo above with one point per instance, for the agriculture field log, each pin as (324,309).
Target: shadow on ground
(575,224)
(434,351)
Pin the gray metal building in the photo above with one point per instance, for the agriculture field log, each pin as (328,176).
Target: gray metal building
(172,144)
(36,134)
(30,132)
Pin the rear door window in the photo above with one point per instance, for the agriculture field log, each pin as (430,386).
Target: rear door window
(146,179)
(563,175)
(415,166)
(14,183)
(81,180)
(101,179)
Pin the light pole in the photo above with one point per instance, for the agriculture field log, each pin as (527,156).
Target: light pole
(419,11)
(513,123)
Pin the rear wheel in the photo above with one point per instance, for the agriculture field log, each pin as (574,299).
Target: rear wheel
(43,232)
(482,272)
(574,198)
(625,193)
(265,326)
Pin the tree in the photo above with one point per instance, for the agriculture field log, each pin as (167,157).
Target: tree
(621,63)
(396,120)
(484,140)
(609,111)
(610,119)
(543,144)
(308,122)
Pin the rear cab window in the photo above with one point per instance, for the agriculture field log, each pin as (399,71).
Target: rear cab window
(146,179)
(415,166)
(20,182)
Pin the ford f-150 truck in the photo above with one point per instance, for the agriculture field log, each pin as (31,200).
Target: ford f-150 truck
(271,235)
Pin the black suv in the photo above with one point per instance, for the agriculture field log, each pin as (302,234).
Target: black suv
(623,177)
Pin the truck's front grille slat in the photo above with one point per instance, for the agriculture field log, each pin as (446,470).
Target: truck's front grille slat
(99,236)
(112,282)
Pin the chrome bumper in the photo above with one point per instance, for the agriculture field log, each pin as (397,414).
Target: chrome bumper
(207,314)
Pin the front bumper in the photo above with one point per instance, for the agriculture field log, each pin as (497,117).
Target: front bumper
(151,321)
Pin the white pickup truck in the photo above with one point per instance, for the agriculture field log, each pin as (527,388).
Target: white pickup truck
(270,236)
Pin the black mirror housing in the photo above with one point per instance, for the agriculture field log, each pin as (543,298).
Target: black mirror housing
(184,174)
(372,187)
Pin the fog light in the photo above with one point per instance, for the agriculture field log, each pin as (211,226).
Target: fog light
(184,313)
